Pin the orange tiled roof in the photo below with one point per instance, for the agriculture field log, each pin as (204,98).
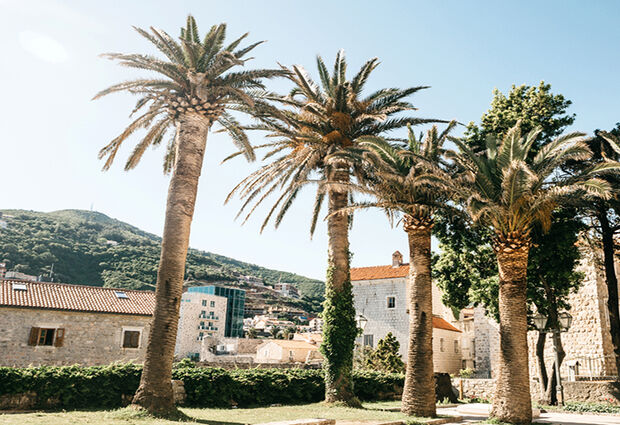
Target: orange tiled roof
(379,272)
(439,323)
(58,296)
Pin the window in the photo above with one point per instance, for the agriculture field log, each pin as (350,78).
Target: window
(368,340)
(391,302)
(441,347)
(121,295)
(47,336)
(456,346)
(291,355)
(204,303)
(131,339)
(212,304)
(19,286)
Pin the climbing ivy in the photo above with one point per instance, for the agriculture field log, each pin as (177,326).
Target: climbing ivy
(339,333)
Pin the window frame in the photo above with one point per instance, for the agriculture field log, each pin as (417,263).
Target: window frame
(387,300)
(124,329)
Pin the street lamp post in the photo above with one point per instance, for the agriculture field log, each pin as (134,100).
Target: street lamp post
(564,322)
(361,322)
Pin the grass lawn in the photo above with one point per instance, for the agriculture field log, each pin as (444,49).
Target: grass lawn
(211,416)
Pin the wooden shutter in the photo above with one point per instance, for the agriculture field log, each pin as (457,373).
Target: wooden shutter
(34,336)
(60,337)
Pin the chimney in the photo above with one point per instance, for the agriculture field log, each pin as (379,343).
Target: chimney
(397,259)
(2,270)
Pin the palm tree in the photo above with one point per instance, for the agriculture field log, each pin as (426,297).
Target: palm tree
(317,140)
(195,89)
(509,192)
(412,180)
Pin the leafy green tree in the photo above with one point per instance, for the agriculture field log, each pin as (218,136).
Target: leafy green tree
(386,357)
(289,332)
(275,332)
(317,141)
(252,333)
(198,85)
(509,193)
(533,107)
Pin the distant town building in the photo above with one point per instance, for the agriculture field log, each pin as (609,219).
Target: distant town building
(252,280)
(58,324)
(20,276)
(316,324)
(234,308)
(380,295)
(2,270)
(287,289)
(202,320)
(285,351)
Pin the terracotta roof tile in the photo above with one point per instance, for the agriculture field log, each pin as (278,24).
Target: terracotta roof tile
(439,323)
(58,296)
(379,272)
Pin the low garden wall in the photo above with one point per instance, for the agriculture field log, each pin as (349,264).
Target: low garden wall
(585,391)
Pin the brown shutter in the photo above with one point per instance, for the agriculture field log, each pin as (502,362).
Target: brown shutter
(34,336)
(60,337)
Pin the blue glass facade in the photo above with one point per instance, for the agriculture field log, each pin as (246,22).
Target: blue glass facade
(234,308)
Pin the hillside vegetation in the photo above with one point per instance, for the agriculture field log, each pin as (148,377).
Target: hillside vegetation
(91,248)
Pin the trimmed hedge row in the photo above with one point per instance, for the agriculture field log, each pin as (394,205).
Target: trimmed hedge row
(73,387)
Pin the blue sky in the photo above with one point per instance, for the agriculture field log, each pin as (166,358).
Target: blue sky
(51,130)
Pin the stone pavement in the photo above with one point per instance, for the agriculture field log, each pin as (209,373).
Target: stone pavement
(554,418)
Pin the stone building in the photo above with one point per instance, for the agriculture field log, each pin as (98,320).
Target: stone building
(58,324)
(202,320)
(380,295)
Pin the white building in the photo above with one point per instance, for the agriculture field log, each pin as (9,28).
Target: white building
(202,319)
(316,325)
(287,289)
(380,295)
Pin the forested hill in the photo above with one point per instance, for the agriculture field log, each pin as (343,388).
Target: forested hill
(93,249)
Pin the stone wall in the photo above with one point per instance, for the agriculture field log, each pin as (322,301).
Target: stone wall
(588,391)
(90,338)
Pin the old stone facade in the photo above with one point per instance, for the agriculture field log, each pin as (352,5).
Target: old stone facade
(380,295)
(56,324)
(89,338)
(202,322)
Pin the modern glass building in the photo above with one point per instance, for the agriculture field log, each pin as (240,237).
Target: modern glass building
(234,307)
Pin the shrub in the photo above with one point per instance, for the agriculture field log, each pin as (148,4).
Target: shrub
(582,407)
(77,387)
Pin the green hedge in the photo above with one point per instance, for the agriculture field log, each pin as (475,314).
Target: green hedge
(73,387)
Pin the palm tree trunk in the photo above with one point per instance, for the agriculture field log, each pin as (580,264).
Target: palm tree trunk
(612,282)
(512,402)
(155,391)
(339,329)
(419,390)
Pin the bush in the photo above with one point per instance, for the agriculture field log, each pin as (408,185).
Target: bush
(582,407)
(77,387)
(73,386)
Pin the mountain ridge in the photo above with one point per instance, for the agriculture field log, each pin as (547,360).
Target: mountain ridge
(89,247)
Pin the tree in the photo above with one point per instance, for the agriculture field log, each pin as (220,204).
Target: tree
(411,180)
(289,332)
(198,88)
(275,332)
(551,277)
(316,141)
(385,357)
(510,192)
(252,333)
(533,107)
(604,214)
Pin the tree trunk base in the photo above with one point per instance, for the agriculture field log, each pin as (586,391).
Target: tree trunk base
(419,412)
(160,404)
